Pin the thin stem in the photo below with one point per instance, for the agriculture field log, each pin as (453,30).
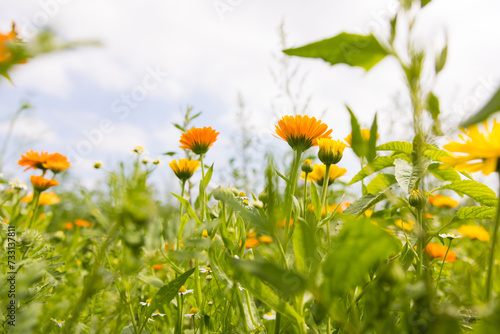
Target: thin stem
(292,179)
(421,240)
(179,234)
(278,323)
(35,209)
(202,196)
(442,264)
(304,197)
(323,201)
(492,251)
(131,310)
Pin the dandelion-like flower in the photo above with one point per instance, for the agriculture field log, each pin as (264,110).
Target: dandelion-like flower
(319,171)
(330,151)
(184,168)
(251,243)
(442,201)
(41,184)
(479,150)
(301,132)
(365,135)
(474,232)
(198,140)
(437,251)
(5,53)
(157,267)
(68,226)
(45,199)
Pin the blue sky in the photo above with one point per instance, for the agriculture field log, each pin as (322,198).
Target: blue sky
(213,50)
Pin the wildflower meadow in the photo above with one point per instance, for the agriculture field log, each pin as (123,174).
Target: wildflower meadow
(409,244)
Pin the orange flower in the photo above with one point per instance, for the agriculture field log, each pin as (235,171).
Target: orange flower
(437,251)
(11,37)
(81,223)
(56,163)
(45,199)
(168,246)
(251,243)
(265,239)
(198,140)
(41,184)
(184,168)
(157,267)
(443,201)
(281,223)
(33,159)
(474,232)
(68,226)
(301,132)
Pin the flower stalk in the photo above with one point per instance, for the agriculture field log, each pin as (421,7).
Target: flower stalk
(323,200)
(491,261)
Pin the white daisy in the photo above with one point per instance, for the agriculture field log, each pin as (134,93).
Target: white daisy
(157,313)
(58,322)
(184,291)
(147,302)
(240,287)
(449,236)
(192,313)
(270,316)
(206,270)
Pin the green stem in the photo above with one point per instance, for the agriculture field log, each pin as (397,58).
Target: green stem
(179,234)
(179,314)
(304,197)
(278,323)
(131,310)
(292,182)
(492,252)
(35,209)
(421,240)
(199,298)
(202,196)
(442,264)
(323,201)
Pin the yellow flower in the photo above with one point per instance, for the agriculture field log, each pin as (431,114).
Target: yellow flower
(251,243)
(330,151)
(318,174)
(198,140)
(479,151)
(301,132)
(204,234)
(184,168)
(265,239)
(474,232)
(408,226)
(442,201)
(56,163)
(41,184)
(365,135)
(45,199)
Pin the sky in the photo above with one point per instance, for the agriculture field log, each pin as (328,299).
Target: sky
(156,57)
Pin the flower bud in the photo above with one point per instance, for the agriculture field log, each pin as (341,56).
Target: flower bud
(209,277)
(417,199)
(263,196)
(330,151)
(307,166)
(222,193)
(97,164)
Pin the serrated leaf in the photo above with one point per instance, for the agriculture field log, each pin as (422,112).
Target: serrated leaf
(481,193)
(476,212)
(364,203)
(396,146)
(354,50)
(445,174)
(378,164)
(380,182)
(491,107)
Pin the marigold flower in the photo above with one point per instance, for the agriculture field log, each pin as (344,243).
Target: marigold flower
(184,168)
(82,223)
(407,226)
(157,267)
(438,251)
(204,234)
(56,163)
(33,159)
(479,151)
(11,37)
(474,232)
(265,239)
(68,226)
(251,243)
(330,151)
(340,209)
(198,140)
(365,135)
(318,174)
(168,246)
(442,201)
(282,222)
(301,132)
(45,199)
(41,184)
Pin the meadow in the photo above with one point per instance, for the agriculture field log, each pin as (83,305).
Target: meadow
(415,251)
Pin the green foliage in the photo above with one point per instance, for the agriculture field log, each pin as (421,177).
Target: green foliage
(481,193)
(492,106)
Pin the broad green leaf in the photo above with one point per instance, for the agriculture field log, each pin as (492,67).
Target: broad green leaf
(357,143)
(380,183)
(168,292)
(396,146)
(481,193)
(358,248)
(378,164)
(304,247)
(372,143)
(355,50)
(406,257)
(151,280)
(407,175)
(491,107)
(364,203)
(476,212)
(445,174)
(315,201)
(188,208)
(433,153)
(208,176)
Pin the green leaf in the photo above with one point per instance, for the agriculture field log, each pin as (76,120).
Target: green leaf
(433,153)
(304,247)
(188,208)
(423,3)
(407,256)
(407,175)
(445,174)
(433,108)
(481,193)
(491,107)
(130,330)
(364,203)
(380,182)
(441,59)
(315,201)
(359,247)
(396,146)
(357,143)
(476,212)
(354,50)
(168,292)
(378,164)
(179,127)
(151,280)
(169,153)
(372,142)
